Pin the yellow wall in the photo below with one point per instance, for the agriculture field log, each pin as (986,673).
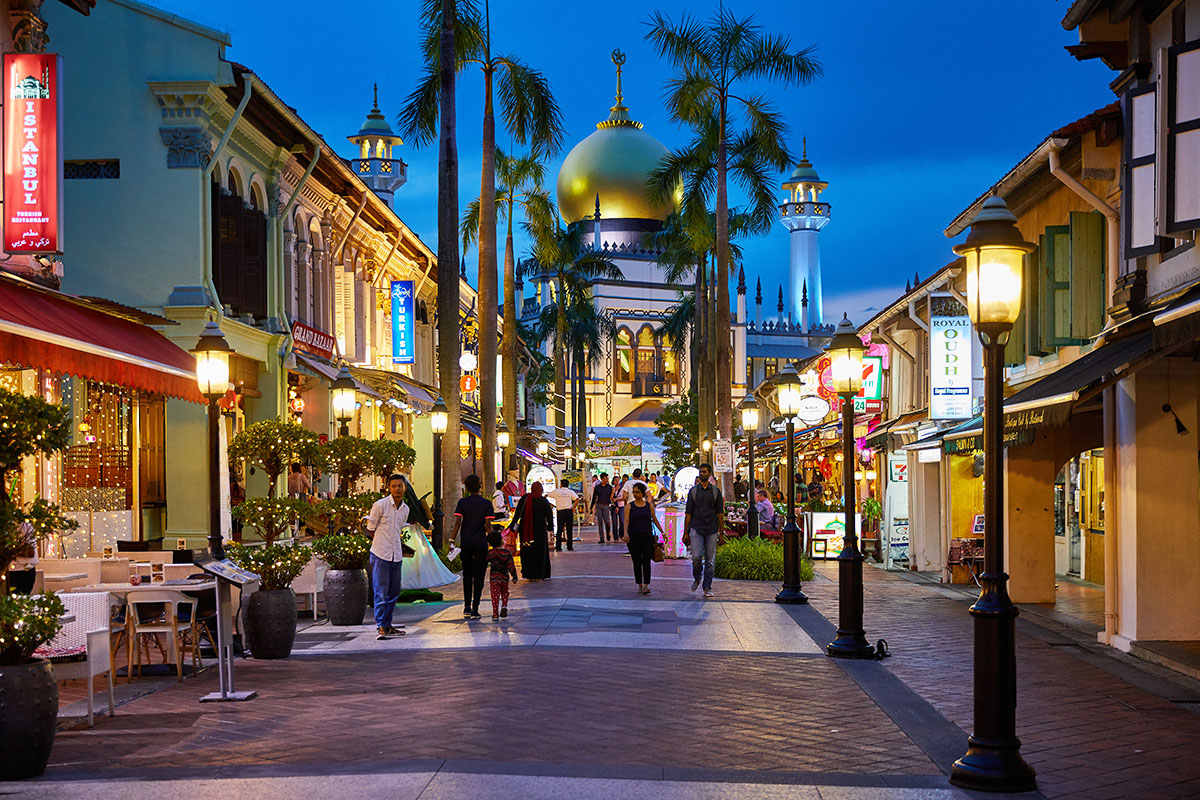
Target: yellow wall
(966,495)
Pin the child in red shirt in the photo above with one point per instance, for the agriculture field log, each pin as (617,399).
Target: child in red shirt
(502,566)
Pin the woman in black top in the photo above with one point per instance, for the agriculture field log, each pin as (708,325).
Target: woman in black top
(533,521)
(640,521)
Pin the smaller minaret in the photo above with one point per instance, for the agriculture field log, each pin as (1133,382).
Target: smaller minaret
(741,296)
(375,164)
(597,244)
(804,309)
(758,304)
(739,334)
(781,316)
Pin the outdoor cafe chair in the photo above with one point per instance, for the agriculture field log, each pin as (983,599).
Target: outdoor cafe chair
(168,623)
(81,650)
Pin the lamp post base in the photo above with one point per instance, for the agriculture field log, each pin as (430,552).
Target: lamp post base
(850,644)
(851,641)
(791,595)
(993,766)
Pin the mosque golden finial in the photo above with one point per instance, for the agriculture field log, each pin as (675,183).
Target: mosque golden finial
(619,115)
(375,102)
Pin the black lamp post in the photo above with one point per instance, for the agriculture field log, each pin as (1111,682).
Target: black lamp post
(994,252)
(787,396)
(439,419)
(750,428)
(846,357)
(212,375)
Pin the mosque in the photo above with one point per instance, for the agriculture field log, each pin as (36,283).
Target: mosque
(602,180)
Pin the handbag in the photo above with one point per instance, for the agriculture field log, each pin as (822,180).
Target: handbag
(658,554)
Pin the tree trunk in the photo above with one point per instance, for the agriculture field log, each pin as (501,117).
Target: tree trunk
(710,423)
(560,366)
(581,427)
(704,377)
(508,346)
(724,356)
(448,293)
(487,286)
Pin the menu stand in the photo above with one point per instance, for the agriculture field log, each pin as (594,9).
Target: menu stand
(227,573)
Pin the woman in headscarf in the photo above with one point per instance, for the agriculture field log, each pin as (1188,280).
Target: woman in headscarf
(533,521)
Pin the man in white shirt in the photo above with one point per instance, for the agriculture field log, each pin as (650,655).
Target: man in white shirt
(627,489)
(564,499)
(385,524)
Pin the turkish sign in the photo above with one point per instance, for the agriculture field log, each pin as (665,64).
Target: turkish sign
(403,345)
(32,158)
(949,359)
(312,341)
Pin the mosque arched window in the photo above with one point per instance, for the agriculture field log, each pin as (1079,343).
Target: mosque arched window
(624,367)
(670,367)
(648,354)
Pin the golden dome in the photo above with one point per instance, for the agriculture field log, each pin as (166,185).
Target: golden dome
(614,163)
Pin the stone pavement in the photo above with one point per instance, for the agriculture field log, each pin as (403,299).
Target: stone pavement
(590,690)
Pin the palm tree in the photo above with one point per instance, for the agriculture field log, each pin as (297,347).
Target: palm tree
(587,331)
(714,64)
(561,251)
(530,115)
(520,184)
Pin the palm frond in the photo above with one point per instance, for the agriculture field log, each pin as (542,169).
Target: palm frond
(685,45)
(527,104)
(770,57)
(418,117)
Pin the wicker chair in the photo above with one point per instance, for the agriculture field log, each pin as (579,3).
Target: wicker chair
(81,649)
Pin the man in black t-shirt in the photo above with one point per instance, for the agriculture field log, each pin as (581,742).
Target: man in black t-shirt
(602,495)
(472,519)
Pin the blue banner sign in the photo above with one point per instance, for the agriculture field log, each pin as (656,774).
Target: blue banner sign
(403,346)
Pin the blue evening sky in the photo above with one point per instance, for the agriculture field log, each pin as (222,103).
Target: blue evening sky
(922,107)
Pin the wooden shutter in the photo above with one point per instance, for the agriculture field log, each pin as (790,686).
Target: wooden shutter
(1141,130)
(227,254)
(1182,166)
(1087,274)
(254,263)
(1033,300)
(1056,287)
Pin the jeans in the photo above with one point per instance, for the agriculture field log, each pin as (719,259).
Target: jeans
(474,575)
(619,520)
(641,548)
(565,530)
(385,575)
(704,551)
(604,521)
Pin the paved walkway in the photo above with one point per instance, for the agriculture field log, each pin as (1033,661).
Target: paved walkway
(588,690)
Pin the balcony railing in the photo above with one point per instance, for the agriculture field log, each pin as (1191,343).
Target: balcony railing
(380,166)
(650,386)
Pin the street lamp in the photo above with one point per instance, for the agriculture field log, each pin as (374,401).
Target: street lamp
(846,352)
(543,448)
(344,389)
(212,375)
(787,387)
(591,434)
(439,420)
(503,437)
(750,428)
(994,252)
(567,454)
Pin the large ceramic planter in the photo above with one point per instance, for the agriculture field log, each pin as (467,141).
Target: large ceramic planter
(271,623)
(28,714)
(345,596)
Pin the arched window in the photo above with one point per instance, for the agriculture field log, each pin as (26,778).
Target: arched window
(624,355)
(670,371)
(647,353)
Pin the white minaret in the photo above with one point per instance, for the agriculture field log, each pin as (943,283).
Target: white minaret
(375,164)
(804,216)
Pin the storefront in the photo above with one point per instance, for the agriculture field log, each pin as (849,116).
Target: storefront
(114,374)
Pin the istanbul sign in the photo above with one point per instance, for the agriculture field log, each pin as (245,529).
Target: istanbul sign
(32,158)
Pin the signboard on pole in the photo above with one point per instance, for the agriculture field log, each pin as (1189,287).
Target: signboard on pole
(33,164)
(309,340)
(949,359)
(722,451)
(403,344)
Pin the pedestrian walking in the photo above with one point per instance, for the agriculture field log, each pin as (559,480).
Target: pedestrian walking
(640,522)
(503,565)
(602,494)
(618,506)
(472,522)
(533,522)
(703,519)
(564,499)
(385,524)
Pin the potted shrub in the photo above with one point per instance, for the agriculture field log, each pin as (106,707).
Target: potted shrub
(342,514)
(389,456)
(350,457)
(28,692)
(270,613)
(273,446)
(346,579)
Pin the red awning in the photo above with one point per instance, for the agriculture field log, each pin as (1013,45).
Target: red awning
(44,329)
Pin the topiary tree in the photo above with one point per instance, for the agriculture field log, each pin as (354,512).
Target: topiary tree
(271,515)
(276,564)
(343,512)
(28,426)
(350,457)
(273,445)
(389,456)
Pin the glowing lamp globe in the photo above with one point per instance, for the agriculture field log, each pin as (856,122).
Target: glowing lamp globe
(343,391)
(787,391)
(212,361)
(846,352)
(468,362)
(750,415)
(994,253)
(439,417)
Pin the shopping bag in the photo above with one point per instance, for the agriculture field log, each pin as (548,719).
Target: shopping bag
(658,555)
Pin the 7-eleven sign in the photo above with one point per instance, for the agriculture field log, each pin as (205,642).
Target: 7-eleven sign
(872,386)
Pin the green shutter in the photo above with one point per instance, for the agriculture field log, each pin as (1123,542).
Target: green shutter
(1056,287)
(1033,300)
(1087,274)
